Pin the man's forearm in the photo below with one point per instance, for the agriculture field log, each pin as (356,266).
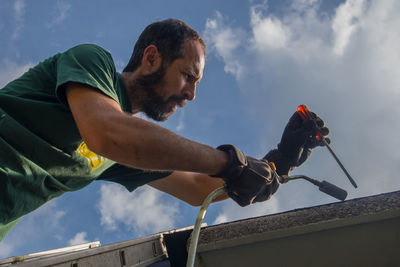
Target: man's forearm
(190,187)
(135,142)
(138,143)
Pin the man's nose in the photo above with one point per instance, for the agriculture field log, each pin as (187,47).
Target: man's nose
(189,92)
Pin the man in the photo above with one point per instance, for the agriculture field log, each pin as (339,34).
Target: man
(69,120)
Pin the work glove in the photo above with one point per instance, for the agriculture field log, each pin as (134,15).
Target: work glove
(247,179)
(298,139)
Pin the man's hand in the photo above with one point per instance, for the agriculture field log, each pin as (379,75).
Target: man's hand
(248,180)
(298,139)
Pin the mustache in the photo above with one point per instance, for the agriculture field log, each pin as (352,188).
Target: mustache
(179,100)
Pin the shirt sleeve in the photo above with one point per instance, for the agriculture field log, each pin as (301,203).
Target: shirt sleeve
(131,178)
(88,64)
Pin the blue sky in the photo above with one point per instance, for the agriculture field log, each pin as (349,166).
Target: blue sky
(340,58)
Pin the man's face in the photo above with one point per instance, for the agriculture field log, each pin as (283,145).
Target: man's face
(170,87)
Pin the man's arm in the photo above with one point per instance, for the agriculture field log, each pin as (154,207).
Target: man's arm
(190,187)
(131,141)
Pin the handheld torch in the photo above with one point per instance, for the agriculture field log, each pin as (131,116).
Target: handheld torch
(305,114)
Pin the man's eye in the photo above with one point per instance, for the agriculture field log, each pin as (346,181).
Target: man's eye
(187,76)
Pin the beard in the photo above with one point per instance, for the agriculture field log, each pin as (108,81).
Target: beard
(150,101)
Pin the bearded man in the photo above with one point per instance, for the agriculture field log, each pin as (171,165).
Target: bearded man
(71,120)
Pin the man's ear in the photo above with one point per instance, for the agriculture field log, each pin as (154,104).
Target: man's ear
(151,60)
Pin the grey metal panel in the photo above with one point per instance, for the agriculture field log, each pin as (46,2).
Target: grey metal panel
(134,252)
(110,258)
(48,253)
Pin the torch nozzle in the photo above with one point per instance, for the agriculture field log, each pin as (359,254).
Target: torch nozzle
(324,186)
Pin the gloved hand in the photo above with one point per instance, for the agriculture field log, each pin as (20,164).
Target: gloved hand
(297,141)
(248,180)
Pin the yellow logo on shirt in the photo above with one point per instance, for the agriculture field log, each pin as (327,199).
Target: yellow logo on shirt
(94,160)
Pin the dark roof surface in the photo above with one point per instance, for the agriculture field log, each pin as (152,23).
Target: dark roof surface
(359,207)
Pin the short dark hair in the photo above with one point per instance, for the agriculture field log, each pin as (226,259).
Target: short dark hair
(168,36)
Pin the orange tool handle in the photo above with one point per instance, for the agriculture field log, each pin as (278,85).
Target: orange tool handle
(305,115)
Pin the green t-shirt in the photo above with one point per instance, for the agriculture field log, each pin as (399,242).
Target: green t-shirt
(41,152)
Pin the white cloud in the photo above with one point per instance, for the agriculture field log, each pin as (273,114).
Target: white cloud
(79,238)
(145,210)
(19,11)
(346,22)
(268,33)
(224,41)
(30,229)
(6,249)
(303,4)
(119,63)
(231,211)
(11,70)
(346,67)
(61,12)
(181,121)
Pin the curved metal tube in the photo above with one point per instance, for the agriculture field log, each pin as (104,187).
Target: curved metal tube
(196,230)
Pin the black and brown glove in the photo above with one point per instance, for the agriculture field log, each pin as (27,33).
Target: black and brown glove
(298,139)
(248,180)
